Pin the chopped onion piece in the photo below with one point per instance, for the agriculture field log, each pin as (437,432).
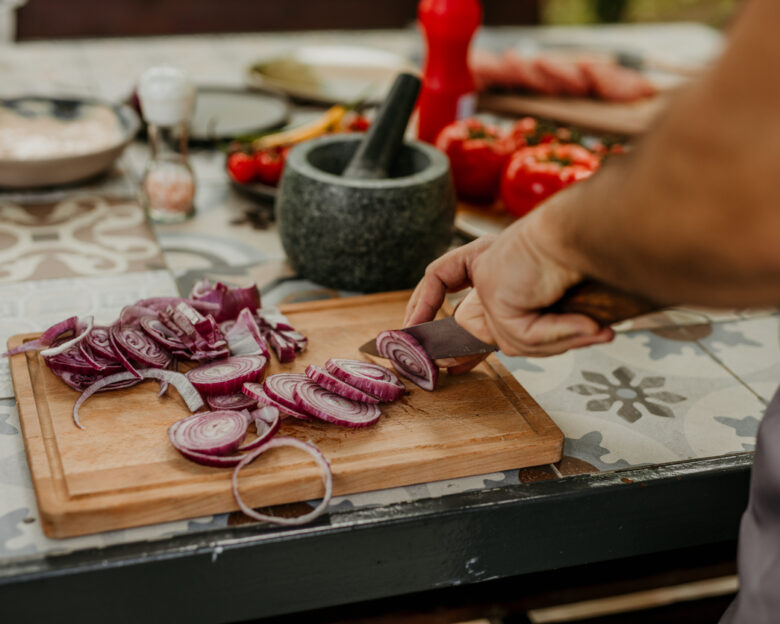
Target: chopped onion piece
(181,383)
(244,336)
(319,458)
(408,358)
(267,421)
(161,333)
(138,346)
(312,398)
(46,338)
(228,375)
(211,433)
(334,384)
(98,340)
(256,391)
(371,378)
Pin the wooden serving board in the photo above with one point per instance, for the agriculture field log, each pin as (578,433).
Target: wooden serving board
(122,471)
(630,118)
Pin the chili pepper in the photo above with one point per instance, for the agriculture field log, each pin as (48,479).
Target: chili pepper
(534,173)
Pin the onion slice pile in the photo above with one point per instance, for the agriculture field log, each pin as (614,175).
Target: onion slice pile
(237,401)
(374,379)
(312,398)
(408,358)
(322,377)
(258,393)
(227,376)
(322,463)
(186,389)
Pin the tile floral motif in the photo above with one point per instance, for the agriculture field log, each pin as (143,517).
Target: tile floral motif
(631,396)
(86,235)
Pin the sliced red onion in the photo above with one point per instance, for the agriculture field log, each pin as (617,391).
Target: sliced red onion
(138,346)
(227,376)
(74,361)
(81,382)
(244,336)
(237,401)
(180,382)
(267,420)
(312,398)
(47,338)
(162,334)
(230,300)
(82,331)
(100,343)
(322,462)
(374,379)
(121,356)
(215,461)
(334,384)
(256,391)
(211,433)
(273,318)
(408,358)
(284,349)
(162,303)
(281,388)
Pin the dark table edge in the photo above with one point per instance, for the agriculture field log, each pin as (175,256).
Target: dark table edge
(246,572)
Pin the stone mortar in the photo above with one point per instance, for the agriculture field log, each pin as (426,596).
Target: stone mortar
(364,235)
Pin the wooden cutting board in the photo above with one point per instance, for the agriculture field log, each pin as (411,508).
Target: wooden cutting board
(122,472)
(630,118)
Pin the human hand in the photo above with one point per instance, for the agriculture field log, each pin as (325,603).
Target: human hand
(515,277)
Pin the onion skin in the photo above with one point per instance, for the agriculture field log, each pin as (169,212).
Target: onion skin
(333,384)
(322,463)
(227,376)
(408,358)
(371,378)
(312,398)
(257,392)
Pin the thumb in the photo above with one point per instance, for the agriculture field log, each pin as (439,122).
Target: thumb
(470,315)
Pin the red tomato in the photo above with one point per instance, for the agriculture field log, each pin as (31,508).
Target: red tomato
(241,167)
(269,164)
(358,123)
(534,173)
(477,153)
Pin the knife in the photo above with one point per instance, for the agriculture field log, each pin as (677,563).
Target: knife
(444,338)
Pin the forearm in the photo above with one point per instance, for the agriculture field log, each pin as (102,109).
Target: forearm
(692,216)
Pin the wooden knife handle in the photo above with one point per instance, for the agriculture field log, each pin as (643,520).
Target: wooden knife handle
(604,304)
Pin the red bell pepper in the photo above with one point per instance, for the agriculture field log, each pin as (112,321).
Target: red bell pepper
(534,173)
(477,153)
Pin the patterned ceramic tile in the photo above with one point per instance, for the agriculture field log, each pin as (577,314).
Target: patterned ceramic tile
(33,306)
(750,349)
(644,398)
(79,235)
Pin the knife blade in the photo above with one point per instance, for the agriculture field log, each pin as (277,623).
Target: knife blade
(604,304)
(443,338)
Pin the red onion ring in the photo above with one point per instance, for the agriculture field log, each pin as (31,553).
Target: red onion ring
(46,338)
(334,384)
(256,391)
(181,383)
(80,382)
(238,401)
(408,358)
(371,378)
(73,361)
(161,333)
(281,388)
(100,343)
(319,458)
(227,376)
(210,433)
(313,399)
(267,421)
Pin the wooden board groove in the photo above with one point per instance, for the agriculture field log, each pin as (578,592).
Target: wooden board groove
(122,472)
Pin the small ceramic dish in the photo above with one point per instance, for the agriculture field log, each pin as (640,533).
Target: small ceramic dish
(47,141)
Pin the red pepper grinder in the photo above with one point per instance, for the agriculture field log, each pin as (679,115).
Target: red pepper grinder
(448,89)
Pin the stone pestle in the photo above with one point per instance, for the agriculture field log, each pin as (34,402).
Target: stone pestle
(377,151)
